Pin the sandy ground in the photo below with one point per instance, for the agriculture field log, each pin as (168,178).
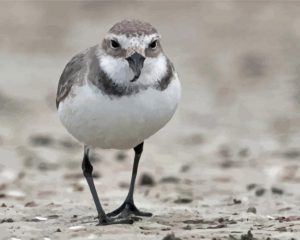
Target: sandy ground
(227,163)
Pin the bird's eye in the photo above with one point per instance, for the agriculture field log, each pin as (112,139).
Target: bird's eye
(114,44)
(153,44)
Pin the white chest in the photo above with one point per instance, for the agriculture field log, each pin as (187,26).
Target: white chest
(119,122)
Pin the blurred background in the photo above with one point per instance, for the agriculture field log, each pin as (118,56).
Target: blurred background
(238,61)
(239,66)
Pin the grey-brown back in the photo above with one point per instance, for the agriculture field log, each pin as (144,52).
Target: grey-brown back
(74,73)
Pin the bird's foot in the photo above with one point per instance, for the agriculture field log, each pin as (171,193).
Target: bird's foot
(103,221)
(128,209)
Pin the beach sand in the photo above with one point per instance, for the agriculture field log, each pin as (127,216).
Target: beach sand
(227,166)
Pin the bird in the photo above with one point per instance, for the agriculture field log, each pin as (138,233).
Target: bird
(115,95)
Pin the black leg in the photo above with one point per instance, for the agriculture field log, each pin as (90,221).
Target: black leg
(128,207)
(87,169)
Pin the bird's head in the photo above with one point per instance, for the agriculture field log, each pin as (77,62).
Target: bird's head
(132,51)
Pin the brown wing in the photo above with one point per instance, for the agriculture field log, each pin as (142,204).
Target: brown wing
(73,72)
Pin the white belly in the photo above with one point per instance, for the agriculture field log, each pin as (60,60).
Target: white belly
(117,122)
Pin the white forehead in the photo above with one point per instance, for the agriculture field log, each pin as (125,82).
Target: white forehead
(141,41)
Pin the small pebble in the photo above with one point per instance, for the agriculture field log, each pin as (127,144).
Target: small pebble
(187,227)
(121,156)
(54,216)
(30,204)
(171,237)
(292,154)
(194,221)
(237,201)
(251,186)
(96,175)
(146,180)
(227,164)
(124,185)
(170,180)
(260,191)
(247,236)
(244,152)
(40,140)
(77,188)
(183,200)
(251,210)
(185,168)
(281,229)
(284,209)
(3,205)
(8,220)
(276,190)
(58,230)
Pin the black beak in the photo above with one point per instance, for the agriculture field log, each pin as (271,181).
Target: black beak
(136,63)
